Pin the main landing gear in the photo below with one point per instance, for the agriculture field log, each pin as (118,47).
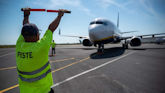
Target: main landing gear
(125,45)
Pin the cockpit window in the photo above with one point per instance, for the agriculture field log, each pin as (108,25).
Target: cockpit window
(92,23)
(98,22)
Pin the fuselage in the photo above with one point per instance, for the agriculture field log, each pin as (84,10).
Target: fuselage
(103,31)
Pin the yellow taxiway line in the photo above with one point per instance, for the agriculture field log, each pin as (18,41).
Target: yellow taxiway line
(70,64)
(7,89)
(7,68)
(61,60)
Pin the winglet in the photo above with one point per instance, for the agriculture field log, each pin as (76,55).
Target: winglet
(118,21)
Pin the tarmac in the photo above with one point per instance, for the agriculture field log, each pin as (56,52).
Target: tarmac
(79,69)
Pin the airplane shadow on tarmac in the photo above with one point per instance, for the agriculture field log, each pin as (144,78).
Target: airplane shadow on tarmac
(108,53)
(144,48)
(82,48)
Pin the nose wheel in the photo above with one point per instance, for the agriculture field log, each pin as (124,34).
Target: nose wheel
(100,48)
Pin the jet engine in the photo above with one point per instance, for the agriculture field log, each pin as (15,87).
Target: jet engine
(87,42)
(135,41)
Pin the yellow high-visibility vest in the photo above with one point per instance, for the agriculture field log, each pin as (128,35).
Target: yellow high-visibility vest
(32,65)
(53,44)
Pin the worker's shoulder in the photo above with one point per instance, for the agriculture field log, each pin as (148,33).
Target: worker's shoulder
(49,31)
(48,34)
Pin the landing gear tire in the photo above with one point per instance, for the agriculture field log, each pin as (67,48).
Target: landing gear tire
(99,50)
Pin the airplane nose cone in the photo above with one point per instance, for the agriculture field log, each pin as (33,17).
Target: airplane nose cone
(95,31)
(99,32)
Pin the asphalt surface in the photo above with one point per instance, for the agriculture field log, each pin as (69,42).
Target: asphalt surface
(78,69)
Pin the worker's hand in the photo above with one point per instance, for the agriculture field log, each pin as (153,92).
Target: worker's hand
(61,12)
(26,11)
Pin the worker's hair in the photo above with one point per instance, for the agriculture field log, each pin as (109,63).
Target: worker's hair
(29,32)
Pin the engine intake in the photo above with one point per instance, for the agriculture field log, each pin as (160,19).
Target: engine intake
(87,42)
(135,41)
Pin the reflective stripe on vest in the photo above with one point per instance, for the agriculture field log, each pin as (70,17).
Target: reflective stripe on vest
(34,72)
(36,78)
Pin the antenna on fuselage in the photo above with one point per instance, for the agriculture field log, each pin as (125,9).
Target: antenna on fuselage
(118,21)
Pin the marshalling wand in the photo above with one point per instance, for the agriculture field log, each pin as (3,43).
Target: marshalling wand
(44,10)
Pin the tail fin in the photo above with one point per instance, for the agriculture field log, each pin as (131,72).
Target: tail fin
(118,21)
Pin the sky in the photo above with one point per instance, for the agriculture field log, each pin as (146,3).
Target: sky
(144,16)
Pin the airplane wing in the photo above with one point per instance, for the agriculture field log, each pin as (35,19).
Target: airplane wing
(73,35)
(142,36)
(128,32)
(153,35)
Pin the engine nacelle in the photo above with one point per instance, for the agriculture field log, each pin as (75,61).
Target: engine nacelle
(135,41)
(160,40)
(87,42)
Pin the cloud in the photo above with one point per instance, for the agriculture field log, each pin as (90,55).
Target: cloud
(86,10)
(60,3)
(77,4)
(149,7)
(107,3)
(121,5)
(144,5)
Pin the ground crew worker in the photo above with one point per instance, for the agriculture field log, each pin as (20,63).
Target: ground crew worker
(53,44)
(32,56)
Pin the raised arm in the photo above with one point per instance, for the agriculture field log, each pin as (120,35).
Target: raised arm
(26,15)
(56,22)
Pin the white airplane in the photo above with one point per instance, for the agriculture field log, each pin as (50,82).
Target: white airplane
(103,31)
(160,40)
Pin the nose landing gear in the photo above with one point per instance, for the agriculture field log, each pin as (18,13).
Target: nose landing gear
(100,49)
